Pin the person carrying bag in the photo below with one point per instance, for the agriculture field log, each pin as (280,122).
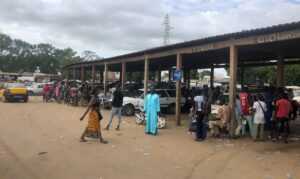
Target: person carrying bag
(259,109)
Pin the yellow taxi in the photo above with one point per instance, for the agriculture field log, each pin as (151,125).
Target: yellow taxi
(14,92)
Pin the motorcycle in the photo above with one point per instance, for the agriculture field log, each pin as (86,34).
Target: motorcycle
(140,119)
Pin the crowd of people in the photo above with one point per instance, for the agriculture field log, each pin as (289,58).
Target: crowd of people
(68,92)
(255,114)
(261,116)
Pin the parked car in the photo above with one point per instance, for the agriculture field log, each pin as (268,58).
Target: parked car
(35,89)
(295,92)
(167,101)
(14,91)
(105,100)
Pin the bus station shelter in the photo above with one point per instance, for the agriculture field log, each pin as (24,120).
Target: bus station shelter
(276,45)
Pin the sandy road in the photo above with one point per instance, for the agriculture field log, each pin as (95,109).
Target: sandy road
(41,141)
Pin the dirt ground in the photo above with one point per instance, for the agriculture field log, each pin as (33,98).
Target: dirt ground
(41,141)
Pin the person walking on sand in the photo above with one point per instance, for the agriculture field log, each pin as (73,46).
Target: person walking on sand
(152,110)
(93,128)
(117,103)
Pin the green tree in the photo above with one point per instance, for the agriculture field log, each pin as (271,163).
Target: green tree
(268,74)
(194,74)
(19,56)
(204,73)
(292,75)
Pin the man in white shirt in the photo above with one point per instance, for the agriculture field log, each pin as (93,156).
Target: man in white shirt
(199,101)
(259,109)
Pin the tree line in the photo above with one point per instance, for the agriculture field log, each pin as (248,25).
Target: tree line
(268,74)
(20,56)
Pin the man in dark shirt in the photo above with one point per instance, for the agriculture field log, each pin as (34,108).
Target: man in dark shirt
(117,103)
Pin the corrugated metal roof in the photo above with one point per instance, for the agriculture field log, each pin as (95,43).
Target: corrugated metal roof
(212,39)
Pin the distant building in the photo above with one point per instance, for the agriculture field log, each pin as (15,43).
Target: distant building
(5,76)
(218,80)
(39,77)
(28,76)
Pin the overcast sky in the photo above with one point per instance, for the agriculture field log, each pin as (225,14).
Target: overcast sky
(114,27)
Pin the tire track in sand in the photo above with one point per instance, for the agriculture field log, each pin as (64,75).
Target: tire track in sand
(218,170)
(28,171)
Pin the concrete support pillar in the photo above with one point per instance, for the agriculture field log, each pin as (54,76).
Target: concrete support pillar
(232,86)
(102,76)
(158,76)
(188,76)
(280,72)
(242,71)
(123,75)
(212,76)
(74,74)
(105,75)
(146,75)
(178,91)
(82,73)
(98,75)
(93,74)
(170,75)
(67,73)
